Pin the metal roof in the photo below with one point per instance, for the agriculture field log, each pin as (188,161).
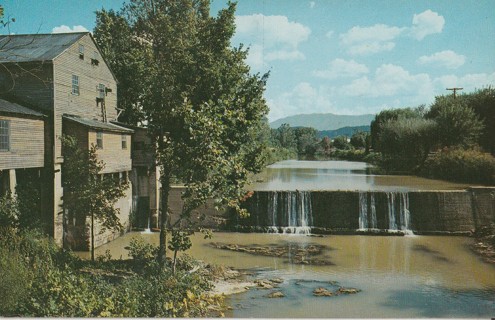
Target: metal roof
(35,47)
(17,109)
(97,125)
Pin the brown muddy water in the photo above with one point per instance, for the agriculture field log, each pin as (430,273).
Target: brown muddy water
(341,175)
(399,277)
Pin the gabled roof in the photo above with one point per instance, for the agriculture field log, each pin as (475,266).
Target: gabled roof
(7,107)
(98,125)
(36,47)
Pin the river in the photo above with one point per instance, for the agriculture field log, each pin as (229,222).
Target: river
(398,277)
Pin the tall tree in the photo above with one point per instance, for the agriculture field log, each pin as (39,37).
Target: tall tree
(202,105)
(86,192)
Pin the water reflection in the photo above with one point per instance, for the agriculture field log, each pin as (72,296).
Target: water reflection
(341,175)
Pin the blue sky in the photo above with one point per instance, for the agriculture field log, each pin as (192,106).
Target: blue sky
(344,57)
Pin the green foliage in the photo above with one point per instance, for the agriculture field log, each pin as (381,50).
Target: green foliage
(9,211)
(388,115)
(406,142)
(40,280)
(202,106)
(180,241)
(325,145)
(86,193)
(141,251)
(14,282)
(307,140)
(470,166)
(458,124)
(359,139)
(341,143)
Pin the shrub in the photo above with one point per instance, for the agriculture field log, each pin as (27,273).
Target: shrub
(471,166)
(14,282)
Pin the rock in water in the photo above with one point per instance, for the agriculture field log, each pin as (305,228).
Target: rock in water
(322,292)
(276,294)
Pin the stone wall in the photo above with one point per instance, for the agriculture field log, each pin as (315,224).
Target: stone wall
(430,212)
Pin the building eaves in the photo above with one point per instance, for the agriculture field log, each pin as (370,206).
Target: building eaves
(11,108)
(98,125)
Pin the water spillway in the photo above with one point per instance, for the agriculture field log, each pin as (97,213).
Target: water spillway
(399,212)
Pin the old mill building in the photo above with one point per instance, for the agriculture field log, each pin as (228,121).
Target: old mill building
(56,84)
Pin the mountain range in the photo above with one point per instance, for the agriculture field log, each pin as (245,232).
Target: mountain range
(324,121)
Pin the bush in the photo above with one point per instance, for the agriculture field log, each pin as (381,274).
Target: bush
(14,282)
(471,166)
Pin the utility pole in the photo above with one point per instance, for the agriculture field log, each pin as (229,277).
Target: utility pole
(455,90)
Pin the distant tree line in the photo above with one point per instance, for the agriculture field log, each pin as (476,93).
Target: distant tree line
(286,142)
(452,139)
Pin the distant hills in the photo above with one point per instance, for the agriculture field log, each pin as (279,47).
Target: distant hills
(345,131)
(325,121)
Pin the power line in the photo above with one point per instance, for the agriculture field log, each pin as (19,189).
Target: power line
(455,90)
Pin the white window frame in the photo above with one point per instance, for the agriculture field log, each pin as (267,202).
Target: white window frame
(101,91)
(4,135)
(81,51)
(99,137)
(124,142)
(75,84)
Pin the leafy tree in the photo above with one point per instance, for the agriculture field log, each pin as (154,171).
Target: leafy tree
(201,104)
(358,139)
(9,211)
(87,193)
(406,142)
(341,143)
(483,103)
(306,140)
(326,145)
(392,114)
(286,137)
(458,124)
(127,58)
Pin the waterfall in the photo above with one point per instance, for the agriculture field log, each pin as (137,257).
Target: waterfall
(392,225)
(374,223)
(400,201)
(363,211)
(290,212)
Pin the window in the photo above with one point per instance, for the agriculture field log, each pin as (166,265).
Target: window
(124,142)
(75,84)
(4,135)
(99,140)
(101,91)
(81,51)
(94,60)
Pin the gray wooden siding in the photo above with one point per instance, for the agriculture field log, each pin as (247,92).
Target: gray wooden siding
(115,158)
(90,76)
(26,144)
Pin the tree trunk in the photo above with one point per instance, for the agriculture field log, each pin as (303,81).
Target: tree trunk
(92,237)
(162,252)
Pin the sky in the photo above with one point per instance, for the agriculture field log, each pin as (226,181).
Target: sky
(332,56)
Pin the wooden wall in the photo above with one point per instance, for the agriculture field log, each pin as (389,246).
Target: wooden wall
(115,158)
(90,76)
(26,144)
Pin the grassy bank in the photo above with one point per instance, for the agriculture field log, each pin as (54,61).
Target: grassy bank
(40,280)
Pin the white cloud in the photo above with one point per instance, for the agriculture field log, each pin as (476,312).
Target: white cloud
(374,39)
(66,29)
(446,58)
(389,80)
(301,98)
(312,4)
(381,37)
(271,38)
(426,23)
(469,82)
(340,68)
